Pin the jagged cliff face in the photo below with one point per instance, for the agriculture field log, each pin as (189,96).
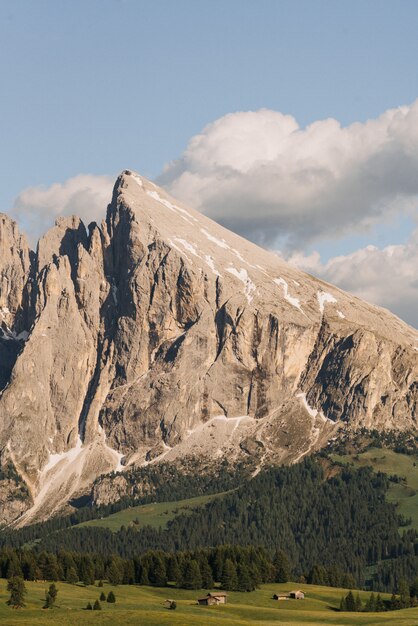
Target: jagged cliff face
(160,334)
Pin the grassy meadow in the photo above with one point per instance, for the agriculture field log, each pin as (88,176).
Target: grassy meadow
(156,514)
(143,606)
(404,494)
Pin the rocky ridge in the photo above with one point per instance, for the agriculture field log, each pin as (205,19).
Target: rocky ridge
(159,334)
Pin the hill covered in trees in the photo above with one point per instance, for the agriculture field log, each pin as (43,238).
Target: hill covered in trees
(325,518)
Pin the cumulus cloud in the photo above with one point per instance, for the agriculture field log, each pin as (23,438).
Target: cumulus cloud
(387,277)
(85,195)
(263,176)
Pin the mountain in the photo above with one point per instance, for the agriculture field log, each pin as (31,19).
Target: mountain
(159,334)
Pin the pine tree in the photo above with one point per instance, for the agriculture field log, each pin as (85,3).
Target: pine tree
(173,570)
(111,597)
(97,606)
(71,576)
(13,567)
(245,582)
(86,570)
(192,578)
(49,602)
(17,589)
(403,592)
(281,567)
(159,574)
(115,572)
(50,597)
(103,597)
(358,603)
(206,573)
(380,605)
(350,603)
(229,578)
(89,607)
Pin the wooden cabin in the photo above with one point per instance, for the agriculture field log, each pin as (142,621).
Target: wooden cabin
(217,597)
(221,596)
(207,601)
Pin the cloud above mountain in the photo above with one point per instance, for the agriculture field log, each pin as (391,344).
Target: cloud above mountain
(387,277)
(85,195)
(285,187)
(263,176)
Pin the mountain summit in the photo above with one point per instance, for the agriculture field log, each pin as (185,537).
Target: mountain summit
(160,334)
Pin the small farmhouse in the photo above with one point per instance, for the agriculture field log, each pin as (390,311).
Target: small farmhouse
(292,595)
(281,596)
(207,601)
(218,597)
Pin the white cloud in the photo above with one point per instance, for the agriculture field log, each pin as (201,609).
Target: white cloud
(387,277)
(85,195)
(263,176)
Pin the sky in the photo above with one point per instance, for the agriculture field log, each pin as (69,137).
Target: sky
(294,123)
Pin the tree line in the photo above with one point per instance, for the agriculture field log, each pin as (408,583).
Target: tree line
(337,520)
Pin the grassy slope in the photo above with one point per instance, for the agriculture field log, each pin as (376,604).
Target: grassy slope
(156,514)
(389,462)
(143,605)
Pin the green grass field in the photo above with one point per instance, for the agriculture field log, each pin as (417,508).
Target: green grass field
(156,515)
(405,494)
(143,606)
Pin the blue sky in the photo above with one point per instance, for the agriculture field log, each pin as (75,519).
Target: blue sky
(96,86)
(99,85)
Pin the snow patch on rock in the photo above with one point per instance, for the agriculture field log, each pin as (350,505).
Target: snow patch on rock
(323,297)
(293,301)
(219,242)
(242,275)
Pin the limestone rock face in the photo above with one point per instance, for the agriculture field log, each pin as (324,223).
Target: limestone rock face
(160,334)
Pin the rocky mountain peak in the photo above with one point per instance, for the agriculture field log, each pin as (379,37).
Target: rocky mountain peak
(160,334)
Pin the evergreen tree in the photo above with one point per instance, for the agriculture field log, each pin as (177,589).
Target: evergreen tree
(50,596)
(229,578)
(413,590)
(403,592)
(350,602)
(115,572)
(17,589)
(358,603)
(245,582)
(111,597)
(86,570)
(380,605)
(159,573)
(103,597)
(281,567)
(97,606)
(71,576)
(50,568)
(395,603)
(128,572)
(89,607)
(13,567)
(192,578)
(173,570)
(100,583)
(206,573)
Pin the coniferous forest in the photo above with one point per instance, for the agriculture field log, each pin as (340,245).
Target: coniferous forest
(332,524)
